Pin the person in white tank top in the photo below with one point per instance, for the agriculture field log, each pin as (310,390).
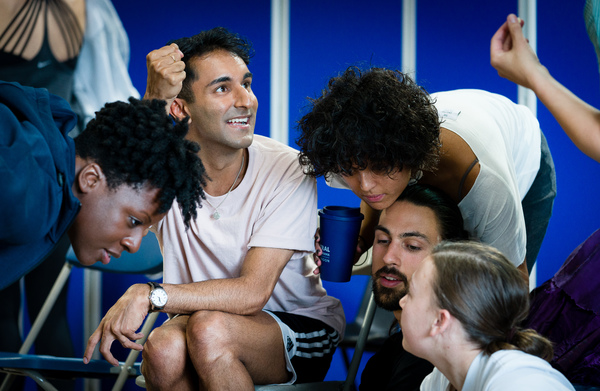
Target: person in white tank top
(375,131)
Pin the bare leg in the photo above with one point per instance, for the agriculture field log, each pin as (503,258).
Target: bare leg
(166,365)
(234,352)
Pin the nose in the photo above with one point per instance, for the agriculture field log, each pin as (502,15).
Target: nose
(402,301)
(391,256)
(365,180)
(244,97)
(132,243)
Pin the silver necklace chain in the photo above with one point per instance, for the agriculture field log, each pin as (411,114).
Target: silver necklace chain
(216,215)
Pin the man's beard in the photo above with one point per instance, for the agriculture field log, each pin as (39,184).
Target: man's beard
(389,298)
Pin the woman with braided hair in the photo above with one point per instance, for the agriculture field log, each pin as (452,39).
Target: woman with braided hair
(462,313)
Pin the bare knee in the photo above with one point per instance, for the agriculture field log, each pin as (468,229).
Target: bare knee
(164,356)
(209,336)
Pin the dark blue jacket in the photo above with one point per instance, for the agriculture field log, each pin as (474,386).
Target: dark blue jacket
(37,169)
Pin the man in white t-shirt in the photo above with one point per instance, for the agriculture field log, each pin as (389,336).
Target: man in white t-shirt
(245,307)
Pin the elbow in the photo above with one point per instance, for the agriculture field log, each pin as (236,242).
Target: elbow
(256,304)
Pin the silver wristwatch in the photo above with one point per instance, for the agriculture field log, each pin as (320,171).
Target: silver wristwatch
(158,297)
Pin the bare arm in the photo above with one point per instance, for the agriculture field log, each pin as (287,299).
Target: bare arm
(244,295)
(514,60)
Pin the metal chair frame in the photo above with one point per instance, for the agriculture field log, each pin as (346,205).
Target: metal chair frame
(39,367)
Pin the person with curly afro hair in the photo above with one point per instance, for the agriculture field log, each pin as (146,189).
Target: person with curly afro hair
(134,151)
(119,177)
(241,293)
(375,131)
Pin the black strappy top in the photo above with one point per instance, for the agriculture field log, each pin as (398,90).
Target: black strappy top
(43,70)
(464,178)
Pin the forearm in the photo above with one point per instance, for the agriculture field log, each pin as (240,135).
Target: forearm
(233,295)
(148,95)
(579,120)
(243,295)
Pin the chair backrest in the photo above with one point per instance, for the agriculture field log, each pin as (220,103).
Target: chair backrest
(382,321)
(147,260)
(380,327)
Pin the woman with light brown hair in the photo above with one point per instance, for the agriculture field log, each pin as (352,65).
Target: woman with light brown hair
(462,313)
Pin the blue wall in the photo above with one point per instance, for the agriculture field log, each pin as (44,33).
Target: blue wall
(452,52)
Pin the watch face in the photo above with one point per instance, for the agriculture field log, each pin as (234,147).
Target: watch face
(159,298)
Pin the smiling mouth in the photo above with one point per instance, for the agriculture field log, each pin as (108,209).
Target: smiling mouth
(239,121)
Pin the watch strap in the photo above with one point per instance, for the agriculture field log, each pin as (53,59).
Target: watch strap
(153,286)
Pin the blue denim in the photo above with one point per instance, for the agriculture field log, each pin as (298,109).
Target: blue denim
(538,203)
(579,387)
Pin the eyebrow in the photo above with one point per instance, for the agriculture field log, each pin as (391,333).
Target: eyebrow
(224,79)
(145,216)
(409,234)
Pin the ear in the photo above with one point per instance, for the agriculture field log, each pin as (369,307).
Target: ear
(441,323)
(179,109)
(90,177)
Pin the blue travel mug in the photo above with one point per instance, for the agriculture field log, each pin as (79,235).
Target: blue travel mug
(339,227)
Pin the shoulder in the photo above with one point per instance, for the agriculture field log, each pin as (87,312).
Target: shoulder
(272,157)
(517,370)
(268,145)
(435,381)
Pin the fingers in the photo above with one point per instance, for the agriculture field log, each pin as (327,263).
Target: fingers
(120,323)
(509,33)
(105,350)
(498,39)
(506,44)
(106,339)
(172,51)
(317,271)
(318,252)
(515,26)
(166,72)
(91,345)
(106,336)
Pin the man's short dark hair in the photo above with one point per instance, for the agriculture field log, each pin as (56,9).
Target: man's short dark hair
(218,38)
(377,118)
(137,143)
(450,220)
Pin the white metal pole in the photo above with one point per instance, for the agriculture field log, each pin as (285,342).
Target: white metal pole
(528,12)
(409,37)
(280,59)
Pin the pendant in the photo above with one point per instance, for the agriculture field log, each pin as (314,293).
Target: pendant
(216,215)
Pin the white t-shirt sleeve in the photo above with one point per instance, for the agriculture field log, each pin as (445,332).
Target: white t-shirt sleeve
(284,221)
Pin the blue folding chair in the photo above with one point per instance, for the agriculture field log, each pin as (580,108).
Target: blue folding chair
(148,260)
